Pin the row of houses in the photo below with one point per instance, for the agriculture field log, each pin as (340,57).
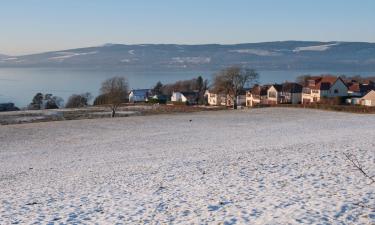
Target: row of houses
(315,90)
(144,95)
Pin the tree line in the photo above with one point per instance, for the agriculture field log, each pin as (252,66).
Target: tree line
(114,91)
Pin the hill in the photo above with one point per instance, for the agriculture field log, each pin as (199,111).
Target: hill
(286,55)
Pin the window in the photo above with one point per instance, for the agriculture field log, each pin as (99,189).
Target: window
(336,91)
(272,94)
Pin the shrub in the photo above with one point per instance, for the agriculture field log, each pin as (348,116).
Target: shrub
(156,101)
(78,101)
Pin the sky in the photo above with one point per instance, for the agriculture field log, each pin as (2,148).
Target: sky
(32,26)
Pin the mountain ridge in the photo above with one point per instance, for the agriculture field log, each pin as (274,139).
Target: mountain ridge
(278,55)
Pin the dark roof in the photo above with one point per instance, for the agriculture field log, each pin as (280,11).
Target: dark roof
(189,93)
(292,88)
(141,92)
(278,87)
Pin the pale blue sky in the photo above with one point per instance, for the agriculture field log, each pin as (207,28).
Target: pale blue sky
(29,26)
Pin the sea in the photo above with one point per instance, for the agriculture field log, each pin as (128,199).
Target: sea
(19,85)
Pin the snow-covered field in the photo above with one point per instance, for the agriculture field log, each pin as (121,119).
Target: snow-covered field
(263,166)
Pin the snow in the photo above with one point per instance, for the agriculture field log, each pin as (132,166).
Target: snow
(319,48)
(257,52)
(10,59)
(193,60)
(66,55)
(260,166)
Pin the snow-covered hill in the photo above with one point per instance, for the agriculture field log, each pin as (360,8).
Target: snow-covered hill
(288,55)
(259,166)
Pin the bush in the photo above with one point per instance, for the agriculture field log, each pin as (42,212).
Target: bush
(157,101)
(47,101)
(100,100)
(78,101)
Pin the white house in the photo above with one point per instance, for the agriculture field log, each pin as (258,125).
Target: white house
(188,97)
(139,95)
(369,99)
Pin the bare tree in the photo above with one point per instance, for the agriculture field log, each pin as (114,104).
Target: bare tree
(302,79)
(358,166)
(233,80)
(115,91)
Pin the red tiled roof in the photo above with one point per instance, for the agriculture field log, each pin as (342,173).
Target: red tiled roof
(322,82)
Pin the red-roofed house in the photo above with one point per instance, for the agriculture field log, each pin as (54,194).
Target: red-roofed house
(323,86)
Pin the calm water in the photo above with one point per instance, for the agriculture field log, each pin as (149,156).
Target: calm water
(19,85)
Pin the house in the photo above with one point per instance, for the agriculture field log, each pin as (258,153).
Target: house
(291,93)
(240,99)
(139,95)
(359,89)
(214,98)
(187,97)
(323,87)
(369,99)
(274,94)
(257,95)
(286,93)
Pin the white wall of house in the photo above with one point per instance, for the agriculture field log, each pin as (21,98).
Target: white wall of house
(252,100)
(272,95)
(368,102)
(136,98)
(213,98)
(178,97)
(296,98)
(369,99)
(241,100)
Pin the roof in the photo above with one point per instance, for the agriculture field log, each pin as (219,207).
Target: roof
(370,96)
(278,87)
(142,92)
(189,93)
(355,86)
(323,82)
(259,90)
(292,88)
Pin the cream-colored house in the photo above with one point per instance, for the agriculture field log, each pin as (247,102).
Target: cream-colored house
(369,99)
(219,99)
(214,98)
(321,87)
(257,95)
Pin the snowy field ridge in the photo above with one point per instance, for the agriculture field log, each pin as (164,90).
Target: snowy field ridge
(319,48)
(259,166)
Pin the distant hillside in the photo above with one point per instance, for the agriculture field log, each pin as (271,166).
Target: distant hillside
(287,55)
